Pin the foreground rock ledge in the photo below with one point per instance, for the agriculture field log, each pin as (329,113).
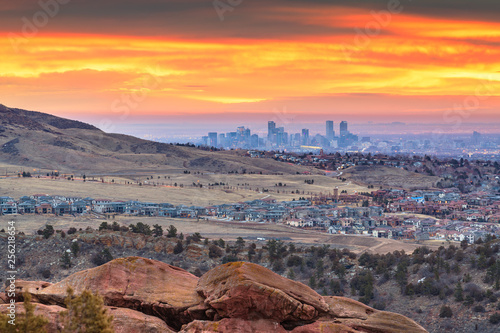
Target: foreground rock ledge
(235,297)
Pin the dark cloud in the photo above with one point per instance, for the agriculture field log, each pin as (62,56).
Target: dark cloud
(198,19)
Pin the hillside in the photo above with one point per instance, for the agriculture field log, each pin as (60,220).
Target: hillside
(48,142)
(417,285)
(234,297)
(378,175)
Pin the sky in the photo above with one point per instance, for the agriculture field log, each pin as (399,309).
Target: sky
(191,63)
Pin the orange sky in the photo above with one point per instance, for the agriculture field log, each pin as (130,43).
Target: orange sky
(414,66)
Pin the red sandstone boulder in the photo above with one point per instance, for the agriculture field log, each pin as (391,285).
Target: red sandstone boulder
(124,320)
(32,287)
(236,297)
(232,325)
(50,312)
(130,321)
(249,291)
(149,286)
(362,318)
(324,327)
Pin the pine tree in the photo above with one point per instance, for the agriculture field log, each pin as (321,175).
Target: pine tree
(86,314)
(171,232)
(65,260)
(25,323)
(459,293)
(75,248)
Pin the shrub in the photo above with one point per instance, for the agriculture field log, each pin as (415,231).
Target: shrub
(294,260)
(102,257)
(445,312)
(85,313)
(48,231)
(214,251)
(229,258)
(172,232)
(141,228)
(495,318)
(45,272)
(178,248)
(379,305)
(65,260)
(75,248)
(479,308)
(71,230)
(157,230)
(115,226)
(26,322)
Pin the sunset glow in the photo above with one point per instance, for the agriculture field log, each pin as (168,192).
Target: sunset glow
(76,71)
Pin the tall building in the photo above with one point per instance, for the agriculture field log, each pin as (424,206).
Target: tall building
(254,141)
(271,130)
(476,138)
(212,139)
(280,132)
(343,128)
(222,140)
(330,133)
(305,136)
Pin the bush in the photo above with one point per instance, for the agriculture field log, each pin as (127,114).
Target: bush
(27,322)
(479,308)
(65,260)
(102,257)
(445,312)
(495,318)
(172,232)
(157,230)
(294,260)
(48,231)
(141,228)
(45,272)
(71,230)
(229,258)
(379,305)
(178,248)
(214,251)
(75,248)
(86,313)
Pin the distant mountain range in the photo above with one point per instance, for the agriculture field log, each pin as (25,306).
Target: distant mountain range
(40,140)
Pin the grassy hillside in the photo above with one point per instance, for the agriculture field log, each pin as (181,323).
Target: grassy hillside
(44,141)
(378,175)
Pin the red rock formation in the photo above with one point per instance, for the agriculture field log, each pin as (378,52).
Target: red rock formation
(366,319)
(249,291)
(149,286)
(124,320)
(231,325)
(50,312)
(32,287)
(130,321)
(235,297)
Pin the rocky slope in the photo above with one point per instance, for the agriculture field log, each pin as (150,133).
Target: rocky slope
(235,297)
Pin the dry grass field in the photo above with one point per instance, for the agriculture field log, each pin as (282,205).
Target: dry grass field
(389,177)
(241,187)
(225,230)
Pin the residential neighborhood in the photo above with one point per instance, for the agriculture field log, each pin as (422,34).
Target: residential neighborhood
(386,213)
